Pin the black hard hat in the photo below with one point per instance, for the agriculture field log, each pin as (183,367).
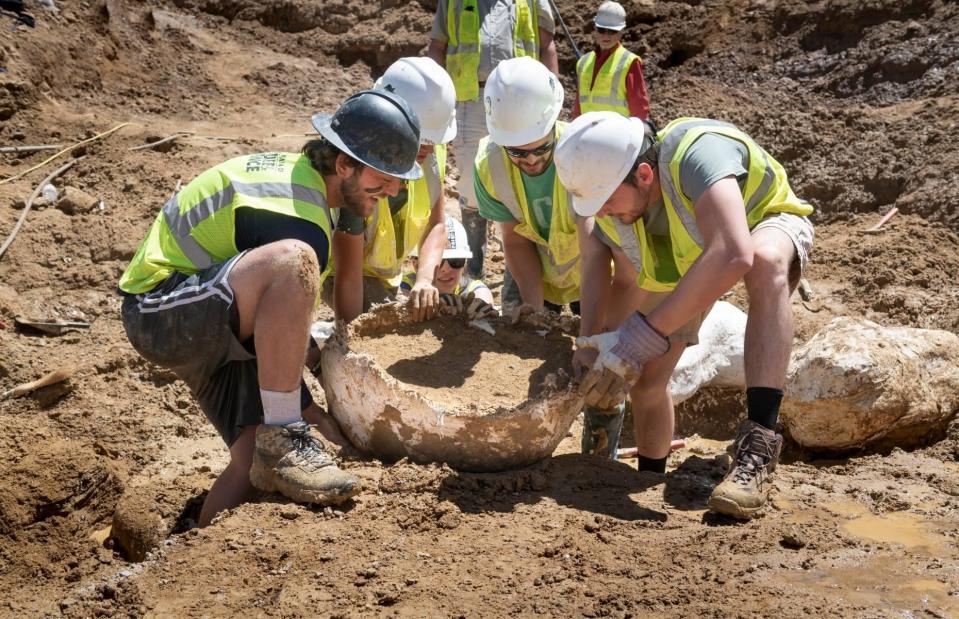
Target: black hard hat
(378,129)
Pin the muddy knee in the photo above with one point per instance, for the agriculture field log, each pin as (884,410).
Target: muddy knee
(296,261)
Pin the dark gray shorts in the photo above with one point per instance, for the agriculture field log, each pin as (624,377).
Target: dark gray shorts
(189,324)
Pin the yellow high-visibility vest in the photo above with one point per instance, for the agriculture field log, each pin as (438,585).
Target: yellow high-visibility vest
(608,92)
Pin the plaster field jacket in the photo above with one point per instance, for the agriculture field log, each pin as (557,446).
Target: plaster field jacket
(463,47)
(559,254)
(607,93)
(195,228)
(662,261)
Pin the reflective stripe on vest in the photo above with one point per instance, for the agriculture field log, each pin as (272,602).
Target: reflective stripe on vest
(463,47)
(195,228)
(766,190)
(607,93)
(383,251)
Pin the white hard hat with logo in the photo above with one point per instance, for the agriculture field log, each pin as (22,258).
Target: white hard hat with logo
(523,100)
(457,245)
(594,155)
(428,89)
(611,16)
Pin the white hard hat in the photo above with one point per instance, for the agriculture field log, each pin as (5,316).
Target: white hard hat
(428,89)
(611,16)
(523,100)
(457,245)
(594,155)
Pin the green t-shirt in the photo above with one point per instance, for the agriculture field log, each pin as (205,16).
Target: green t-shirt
(539,196)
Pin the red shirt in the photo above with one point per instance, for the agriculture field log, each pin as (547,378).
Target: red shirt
(636,96)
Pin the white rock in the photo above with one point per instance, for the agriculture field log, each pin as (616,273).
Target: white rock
(718,359)
(858,384)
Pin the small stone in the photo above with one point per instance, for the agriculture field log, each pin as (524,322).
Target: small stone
(290,514)
(76,201)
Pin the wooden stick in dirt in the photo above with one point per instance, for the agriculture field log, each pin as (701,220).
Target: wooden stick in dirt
(50,378)
(632,452)
(62,151)
(178,134)
(29,149)
(33,196)
(884,219)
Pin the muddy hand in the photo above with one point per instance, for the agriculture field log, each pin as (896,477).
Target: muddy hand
(477,308)
(424,301)
(528,313)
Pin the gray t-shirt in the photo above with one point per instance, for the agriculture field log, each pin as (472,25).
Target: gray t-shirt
(497,18)
(710,158)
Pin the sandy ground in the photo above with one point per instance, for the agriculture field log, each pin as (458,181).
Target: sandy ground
(857,100)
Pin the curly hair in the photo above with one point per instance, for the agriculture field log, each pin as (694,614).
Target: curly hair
(322,155)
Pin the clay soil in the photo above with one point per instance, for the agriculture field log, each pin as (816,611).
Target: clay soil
(466,370)
(857,99)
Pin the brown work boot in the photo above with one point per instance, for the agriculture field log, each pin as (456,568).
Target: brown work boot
(288,460)
(744,490)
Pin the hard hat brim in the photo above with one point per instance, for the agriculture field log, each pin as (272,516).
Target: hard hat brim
(323,125)
(616,27)
(587,207)
(440,137)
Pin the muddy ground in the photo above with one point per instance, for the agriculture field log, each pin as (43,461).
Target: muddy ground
(857,99)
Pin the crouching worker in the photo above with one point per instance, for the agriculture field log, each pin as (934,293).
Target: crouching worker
(694,209)
(369,252)
(222,289)
(458,293)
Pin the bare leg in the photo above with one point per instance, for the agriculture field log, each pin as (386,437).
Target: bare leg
(652,405)
(769,328)
(275,287)
(233,486)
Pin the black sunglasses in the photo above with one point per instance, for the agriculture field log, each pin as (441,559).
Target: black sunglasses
(520,153)
(605,30)
(455,263)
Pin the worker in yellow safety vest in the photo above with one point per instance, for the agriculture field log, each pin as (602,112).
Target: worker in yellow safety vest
(369,253)
(687,213)
(470,38)
(517,187)
(610,77)
(221,291)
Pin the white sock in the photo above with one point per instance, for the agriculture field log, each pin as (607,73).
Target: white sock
(280,407)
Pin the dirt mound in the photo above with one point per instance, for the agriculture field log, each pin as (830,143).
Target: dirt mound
(467,370)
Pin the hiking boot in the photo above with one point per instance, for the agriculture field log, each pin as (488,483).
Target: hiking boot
(289,460)
(744,490)
(601,430)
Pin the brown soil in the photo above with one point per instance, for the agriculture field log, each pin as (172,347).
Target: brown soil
(857,100)
(464,369)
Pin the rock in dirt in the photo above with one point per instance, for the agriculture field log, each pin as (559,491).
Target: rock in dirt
(153,508)
(75,201)
(857,384)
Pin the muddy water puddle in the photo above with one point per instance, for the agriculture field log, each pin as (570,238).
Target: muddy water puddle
(901,528)
(883,582)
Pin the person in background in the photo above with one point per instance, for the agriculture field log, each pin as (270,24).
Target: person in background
(610,78)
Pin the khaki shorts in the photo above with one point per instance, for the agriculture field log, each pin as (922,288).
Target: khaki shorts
(800,232)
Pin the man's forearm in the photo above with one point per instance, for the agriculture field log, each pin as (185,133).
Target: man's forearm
(348,282)
(547,52)
(522,260)
(437,51)
(431,250)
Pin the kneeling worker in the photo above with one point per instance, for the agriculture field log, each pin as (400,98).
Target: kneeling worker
(222,289)
(369,253)
(701,204)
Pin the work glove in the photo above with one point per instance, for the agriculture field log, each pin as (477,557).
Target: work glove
(622,354)
(451,304)
(424,301)
(477,308)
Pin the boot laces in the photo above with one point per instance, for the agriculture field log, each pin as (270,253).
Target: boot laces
(311,452)
(754,450)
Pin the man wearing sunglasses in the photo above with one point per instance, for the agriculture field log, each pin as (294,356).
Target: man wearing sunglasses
(369,252)
(470,38)
(610,78)
(517,187)
(688,212)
